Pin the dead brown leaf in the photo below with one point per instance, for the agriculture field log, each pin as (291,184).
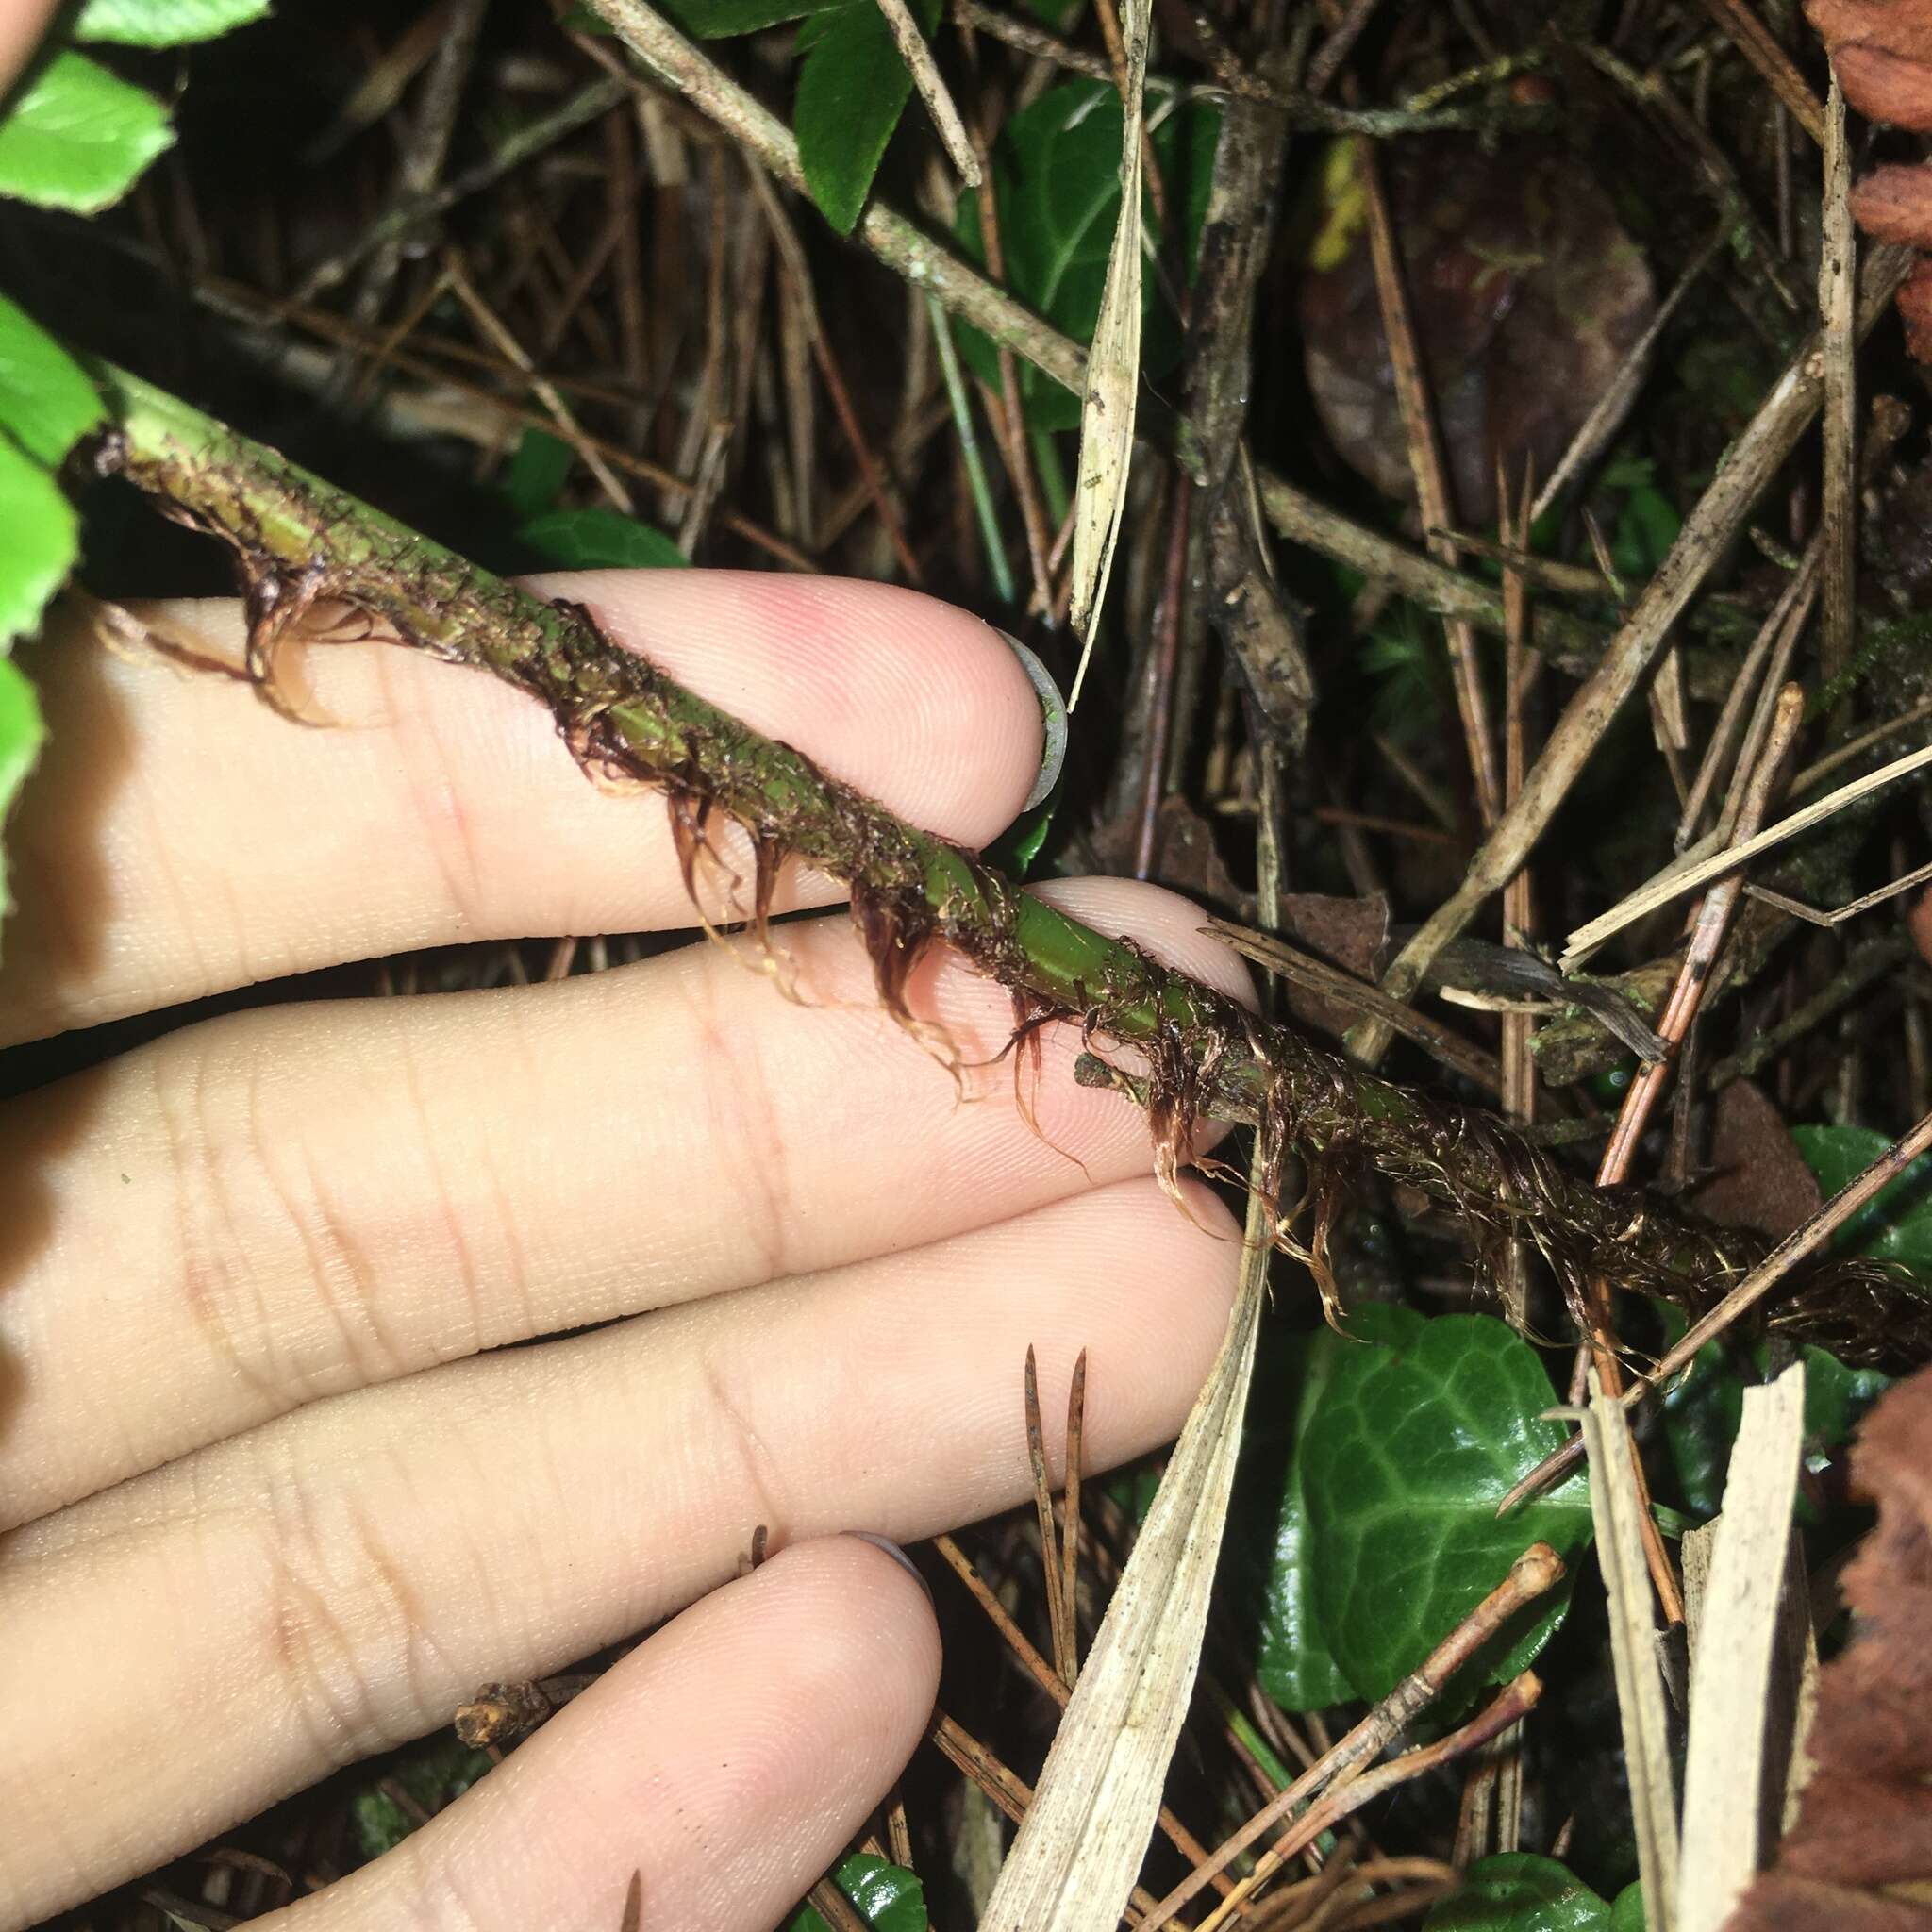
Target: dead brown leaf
(1860,1859)
(1761,1180)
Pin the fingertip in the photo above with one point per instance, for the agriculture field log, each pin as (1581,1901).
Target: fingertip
(919,704)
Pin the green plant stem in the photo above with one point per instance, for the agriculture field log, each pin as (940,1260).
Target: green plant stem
(298,540)
(961,406)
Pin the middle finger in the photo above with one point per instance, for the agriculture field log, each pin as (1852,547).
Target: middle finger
(287,1204)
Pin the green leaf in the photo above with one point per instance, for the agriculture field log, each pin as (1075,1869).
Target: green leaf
(851,92)
(1415,1436)
(435,1774)
(165,22)
(1895,1228)
(1057,183)
(75,137)
(40,538)
(599,538)
(46,402)
(1294,1663)
(537,473)
(1703,1408)
(717,19)
(1627,1914)
(21,734)
(1647,521)
(1521,1892)
(1057,14)
(890,1898)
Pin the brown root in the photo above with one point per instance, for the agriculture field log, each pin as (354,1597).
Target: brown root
(895,928)
(274,605)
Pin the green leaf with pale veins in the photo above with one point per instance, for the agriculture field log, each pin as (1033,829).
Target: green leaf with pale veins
(598,539)
(165,22)
(852,90)
(1418,1432)
(889,1897)
(46,403)
(75,137)
(1895,1228)
(1521,1892)
(40,538)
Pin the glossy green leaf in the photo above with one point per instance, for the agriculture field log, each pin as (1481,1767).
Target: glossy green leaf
(75,137)
(165,22)
(599,538)
(1895,1228)
(1521,1892)
(1415,1435)
(536,474)
(1293,1661)
(890,1898)
(21,733)
(1627,1914)
(852,90)
(1703,1408)
(717,19)
(46,402)
(40,538)
(1057,181)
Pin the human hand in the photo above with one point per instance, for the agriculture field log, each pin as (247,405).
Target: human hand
(280,1506)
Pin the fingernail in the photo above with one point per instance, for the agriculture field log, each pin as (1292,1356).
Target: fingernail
(897,1555)
(1053,712)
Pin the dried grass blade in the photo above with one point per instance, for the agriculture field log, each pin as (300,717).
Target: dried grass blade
(1678,878)
(1731,1670)
(1615,1504)
(1074,1864)
(1113,370)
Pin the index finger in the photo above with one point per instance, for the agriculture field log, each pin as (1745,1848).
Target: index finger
(181,839)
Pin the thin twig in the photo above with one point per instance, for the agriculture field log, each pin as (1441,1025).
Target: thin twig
(1276,955)
(1803,1241)
(1837,302)
(1510,1708)
(1706,941)
(1869,962)
(582,107)
(1776,638)
(1748,467)
(1675,881)
(932,89)
(1607,413)
(791,253)
(1538,1571)
(1754,40)
(1428,468)
(1520,669)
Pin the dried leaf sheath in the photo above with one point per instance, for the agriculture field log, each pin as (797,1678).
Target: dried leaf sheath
(299,540)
